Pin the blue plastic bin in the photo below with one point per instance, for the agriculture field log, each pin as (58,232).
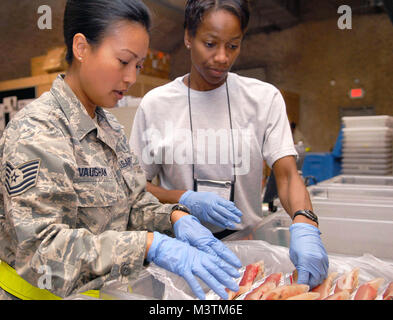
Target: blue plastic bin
(320,166)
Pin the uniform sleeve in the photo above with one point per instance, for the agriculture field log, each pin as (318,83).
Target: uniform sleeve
(41,208)
(147,213)
(142,144)
(278,141)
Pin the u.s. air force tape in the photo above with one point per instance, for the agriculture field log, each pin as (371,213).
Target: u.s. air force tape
(21,178)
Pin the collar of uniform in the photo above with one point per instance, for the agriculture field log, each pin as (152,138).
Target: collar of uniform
(104,115)
(80,121)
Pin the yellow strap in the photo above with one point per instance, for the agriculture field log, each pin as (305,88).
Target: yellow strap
(14,284)
(92,293)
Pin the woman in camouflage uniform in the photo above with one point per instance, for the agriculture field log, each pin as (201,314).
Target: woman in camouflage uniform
(75,203)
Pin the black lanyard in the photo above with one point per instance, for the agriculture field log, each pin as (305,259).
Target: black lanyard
(192,135)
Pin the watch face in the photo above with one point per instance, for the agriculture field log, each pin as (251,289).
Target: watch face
(309,214)
(181,208)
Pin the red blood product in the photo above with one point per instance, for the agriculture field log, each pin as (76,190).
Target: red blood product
(270,283)
(253,272)
(326,286)
(368,290)
(284,292)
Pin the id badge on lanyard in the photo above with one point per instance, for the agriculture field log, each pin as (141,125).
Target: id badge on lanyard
(225,189)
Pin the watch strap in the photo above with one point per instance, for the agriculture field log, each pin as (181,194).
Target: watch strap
(181,207)
(308,214)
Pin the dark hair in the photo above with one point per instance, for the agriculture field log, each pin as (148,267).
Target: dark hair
(196,9)
(92,18)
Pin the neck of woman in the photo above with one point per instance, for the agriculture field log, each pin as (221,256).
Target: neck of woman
(197,82)
(73,81)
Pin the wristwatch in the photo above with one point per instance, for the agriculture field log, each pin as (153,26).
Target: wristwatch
(181,208)
(308,214)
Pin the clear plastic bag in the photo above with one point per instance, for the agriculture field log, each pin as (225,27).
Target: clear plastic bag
(158,283)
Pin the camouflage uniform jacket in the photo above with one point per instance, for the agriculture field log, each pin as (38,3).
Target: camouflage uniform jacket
(74,198)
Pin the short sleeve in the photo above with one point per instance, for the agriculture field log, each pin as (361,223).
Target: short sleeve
(278,140)
(141,144)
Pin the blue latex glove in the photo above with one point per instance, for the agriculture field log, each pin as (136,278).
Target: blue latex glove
(189,229)
(187,261)
(308,254)
(209,207)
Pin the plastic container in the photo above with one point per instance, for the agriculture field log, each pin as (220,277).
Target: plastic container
(368,132)
(321,166)
(368,171)
(359,180)
(367,149)
(339,235)
(349,160)
(368,167)
(367,144)
(354,209)
(385,140)
(350,192)
(368,121)
(356,155)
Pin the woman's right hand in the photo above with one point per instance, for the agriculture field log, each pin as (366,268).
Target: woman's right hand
(209,207)
(187,261)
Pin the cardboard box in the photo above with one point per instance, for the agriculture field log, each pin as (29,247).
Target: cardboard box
(36,66)
(55,60)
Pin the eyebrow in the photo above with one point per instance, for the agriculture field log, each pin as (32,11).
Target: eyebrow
(215,36)
(133,53)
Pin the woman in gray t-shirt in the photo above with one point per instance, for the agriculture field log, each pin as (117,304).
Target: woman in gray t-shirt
(205,135)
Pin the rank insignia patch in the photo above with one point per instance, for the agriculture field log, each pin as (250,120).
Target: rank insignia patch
(21,178)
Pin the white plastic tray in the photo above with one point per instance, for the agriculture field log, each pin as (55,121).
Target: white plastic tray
(340,235)
(358,180)
(378,143)
(368,121)
(355,155)
(382,161)
(367,172)
(367,149)
(368,130)
(354,209)
(382,194)
(368,167)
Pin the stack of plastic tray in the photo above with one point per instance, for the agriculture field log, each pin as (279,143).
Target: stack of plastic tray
(367,145)
(354,229)
(359,193)
(359,180)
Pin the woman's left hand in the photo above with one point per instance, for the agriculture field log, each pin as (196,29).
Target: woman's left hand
(210,207)
(189,229)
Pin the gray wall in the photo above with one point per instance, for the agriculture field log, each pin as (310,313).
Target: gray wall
(305,59)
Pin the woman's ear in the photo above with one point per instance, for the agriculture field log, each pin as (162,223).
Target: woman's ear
(80,46)
(187,40)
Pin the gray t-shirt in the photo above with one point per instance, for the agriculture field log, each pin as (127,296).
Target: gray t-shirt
(161,137)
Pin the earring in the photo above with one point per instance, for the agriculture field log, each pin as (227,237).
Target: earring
(80,59)
(188,47)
